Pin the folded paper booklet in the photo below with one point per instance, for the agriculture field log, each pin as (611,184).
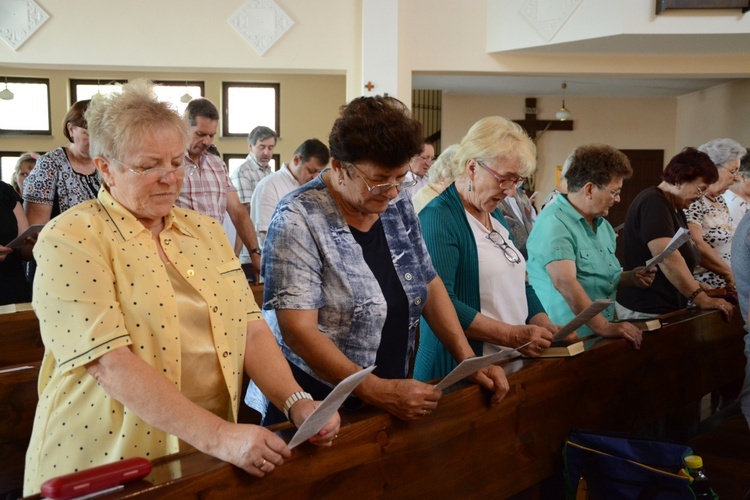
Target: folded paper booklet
(562,349)
(330,405)
(20,241)
(648,325)
(680,238)
(592,310)
(469,366)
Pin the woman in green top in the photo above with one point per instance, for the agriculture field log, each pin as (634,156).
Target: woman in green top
(474,254)
(572,247)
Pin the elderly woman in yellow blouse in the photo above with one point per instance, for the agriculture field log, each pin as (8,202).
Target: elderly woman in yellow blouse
(146,316)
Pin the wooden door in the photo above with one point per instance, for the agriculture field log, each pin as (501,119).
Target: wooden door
(647,167)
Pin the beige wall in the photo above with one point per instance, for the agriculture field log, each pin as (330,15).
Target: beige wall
(309,105)
(623,123)
(319,63)
(722,111)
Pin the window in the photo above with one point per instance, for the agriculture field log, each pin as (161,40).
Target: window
(179,94)
(234,160)
(8,161)
(28,112)
(81,90)
(247,105)
(168,91)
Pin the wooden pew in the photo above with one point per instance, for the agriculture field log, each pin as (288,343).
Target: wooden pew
(468,449)
(18,398)
(21,351)
(257,293)
(20,340)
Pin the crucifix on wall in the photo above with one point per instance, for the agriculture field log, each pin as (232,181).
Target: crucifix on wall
(532,125)
(535,128)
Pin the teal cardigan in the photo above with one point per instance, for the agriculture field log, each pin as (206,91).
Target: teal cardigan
(453,250)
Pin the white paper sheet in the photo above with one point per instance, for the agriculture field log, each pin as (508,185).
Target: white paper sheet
(471,365)
(680,238)
(328,407)
(595,308)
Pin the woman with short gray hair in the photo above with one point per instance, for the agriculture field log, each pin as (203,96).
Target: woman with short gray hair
(708,217)
(738,195)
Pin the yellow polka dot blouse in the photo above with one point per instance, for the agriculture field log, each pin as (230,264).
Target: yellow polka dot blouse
(100,284)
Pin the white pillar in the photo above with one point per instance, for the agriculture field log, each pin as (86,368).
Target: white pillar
(380,47)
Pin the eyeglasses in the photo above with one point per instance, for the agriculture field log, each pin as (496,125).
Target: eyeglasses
(614,192)
(510,253)
(735,174)
(158,173)
(505,183)
(383,188)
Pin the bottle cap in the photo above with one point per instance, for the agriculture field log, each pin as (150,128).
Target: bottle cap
(693,461)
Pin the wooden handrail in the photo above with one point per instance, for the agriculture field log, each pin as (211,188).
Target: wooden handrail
(467,448)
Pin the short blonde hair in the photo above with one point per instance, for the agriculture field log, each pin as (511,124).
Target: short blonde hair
(492,138)
(117,122)
(25,159)
(443,170)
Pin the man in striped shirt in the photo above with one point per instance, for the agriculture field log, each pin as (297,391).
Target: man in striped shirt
(209,190)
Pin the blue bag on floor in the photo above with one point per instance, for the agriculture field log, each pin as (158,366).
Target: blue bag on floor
(607,467)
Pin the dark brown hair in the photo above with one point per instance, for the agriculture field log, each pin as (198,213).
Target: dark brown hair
(376,129)
(598,164)
(75,116)
(689,165)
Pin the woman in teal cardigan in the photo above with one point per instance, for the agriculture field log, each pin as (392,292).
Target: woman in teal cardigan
(472,250)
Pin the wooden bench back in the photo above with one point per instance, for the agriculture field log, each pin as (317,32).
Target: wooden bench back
(20,340)
(18,397)
(465,448)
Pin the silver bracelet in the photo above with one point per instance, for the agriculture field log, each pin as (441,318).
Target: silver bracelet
(297,396)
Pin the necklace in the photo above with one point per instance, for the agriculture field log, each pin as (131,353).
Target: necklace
(82,168)
(488,225)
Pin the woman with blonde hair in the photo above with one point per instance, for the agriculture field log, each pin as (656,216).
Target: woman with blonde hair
(474,254)
(24,166)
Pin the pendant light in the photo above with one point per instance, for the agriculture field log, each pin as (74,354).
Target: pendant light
(564,114)
(6,94)
(186,97)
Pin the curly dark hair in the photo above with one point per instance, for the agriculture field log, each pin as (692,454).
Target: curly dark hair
(689,165)
(376,129)
(598,164)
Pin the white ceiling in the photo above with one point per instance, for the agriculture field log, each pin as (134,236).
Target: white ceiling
(534,86)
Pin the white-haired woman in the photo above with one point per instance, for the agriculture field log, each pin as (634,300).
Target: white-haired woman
(440,176)
(708,217)
(738,195)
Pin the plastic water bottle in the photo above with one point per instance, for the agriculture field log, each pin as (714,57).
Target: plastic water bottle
(700,485)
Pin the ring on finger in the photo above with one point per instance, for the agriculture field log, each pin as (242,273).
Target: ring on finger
(262,465)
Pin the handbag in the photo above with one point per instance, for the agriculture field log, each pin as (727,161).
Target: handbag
(601,466)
